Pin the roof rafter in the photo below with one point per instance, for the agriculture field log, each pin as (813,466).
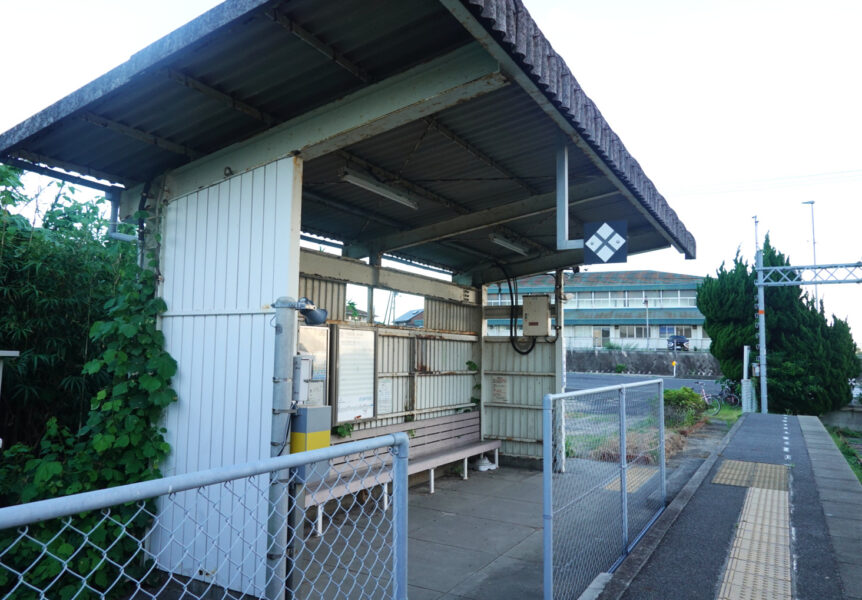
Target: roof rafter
(490,272)
(460,141)
(35,158)
(383,220)
(491,217)
(224,98)
(436,198)
(315,42)
(49,172)
(140,135)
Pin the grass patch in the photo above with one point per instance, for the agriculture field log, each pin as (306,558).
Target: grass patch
(841,437)
(728,414)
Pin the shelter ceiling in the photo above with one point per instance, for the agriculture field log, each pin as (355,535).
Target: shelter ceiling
(249,65)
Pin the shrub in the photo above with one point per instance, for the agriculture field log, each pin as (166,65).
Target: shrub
(682,407)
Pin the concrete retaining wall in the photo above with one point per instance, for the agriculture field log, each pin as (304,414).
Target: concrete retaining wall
(655,362)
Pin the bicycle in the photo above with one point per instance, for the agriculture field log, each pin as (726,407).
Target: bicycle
(727,396)
(712,401)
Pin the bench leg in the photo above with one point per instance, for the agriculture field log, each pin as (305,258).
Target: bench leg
(318,528)
(385,497)
(464,476)
(432,481)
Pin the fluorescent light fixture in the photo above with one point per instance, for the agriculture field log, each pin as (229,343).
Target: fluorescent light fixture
(508,244)
(367,182)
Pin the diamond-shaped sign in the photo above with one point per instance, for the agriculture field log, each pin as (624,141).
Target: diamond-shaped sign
(605,242)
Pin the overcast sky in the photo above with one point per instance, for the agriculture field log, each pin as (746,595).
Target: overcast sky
(733,108)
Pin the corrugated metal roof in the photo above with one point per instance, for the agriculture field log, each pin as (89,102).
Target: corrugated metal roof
(236,71)
(519,33)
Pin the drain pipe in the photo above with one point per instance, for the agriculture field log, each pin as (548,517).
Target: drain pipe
(284,517)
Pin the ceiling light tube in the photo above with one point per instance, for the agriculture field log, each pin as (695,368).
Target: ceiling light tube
(508,244)
(367,182)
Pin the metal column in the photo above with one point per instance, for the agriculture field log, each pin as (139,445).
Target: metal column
(761,320)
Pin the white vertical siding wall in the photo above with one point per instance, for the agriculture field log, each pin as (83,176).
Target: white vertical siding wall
(517,419)
(228,251)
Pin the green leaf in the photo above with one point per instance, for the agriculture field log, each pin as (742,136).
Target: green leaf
(128,330)
(46,471)
(149,383)
(92,367)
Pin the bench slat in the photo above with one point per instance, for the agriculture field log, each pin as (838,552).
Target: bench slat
(399,427)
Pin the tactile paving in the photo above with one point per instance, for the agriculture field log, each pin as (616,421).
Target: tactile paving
(734,472)
(636,476)
(752,474)
(759,566)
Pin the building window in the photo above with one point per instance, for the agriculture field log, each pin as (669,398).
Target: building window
(688,298)
(669,330)
(633,331)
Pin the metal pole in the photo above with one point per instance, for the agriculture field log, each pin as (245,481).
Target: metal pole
(661,463)
(761,319)
(281,507)
(547,506)
(401,452)
(623,467)
(813,248)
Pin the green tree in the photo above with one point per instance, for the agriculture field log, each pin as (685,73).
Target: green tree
(727,301)
(54,283)
(809,360)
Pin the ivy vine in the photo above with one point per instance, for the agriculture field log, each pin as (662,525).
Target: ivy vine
(121,442)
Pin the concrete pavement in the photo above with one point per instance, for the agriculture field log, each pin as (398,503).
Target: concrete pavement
(776,513)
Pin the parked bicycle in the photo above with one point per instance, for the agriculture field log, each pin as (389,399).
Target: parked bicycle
(712,401)
(726,394)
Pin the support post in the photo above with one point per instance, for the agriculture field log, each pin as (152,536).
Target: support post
(623,467)
(563,241)
(761,319)
(547,505)
(282,511)
(399,513)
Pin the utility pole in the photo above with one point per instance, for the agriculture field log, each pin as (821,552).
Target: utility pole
(813,250)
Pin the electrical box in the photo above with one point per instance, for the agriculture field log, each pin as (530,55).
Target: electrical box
(302,365)
(314,341)
(537,316)
(755,369)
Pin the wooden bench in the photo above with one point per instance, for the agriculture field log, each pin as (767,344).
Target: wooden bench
(433,443)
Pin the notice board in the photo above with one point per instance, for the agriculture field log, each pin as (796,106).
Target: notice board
(355,380)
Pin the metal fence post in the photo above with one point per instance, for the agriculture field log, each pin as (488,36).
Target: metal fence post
(623,467)
(547,505)
(401,451)
(661,451)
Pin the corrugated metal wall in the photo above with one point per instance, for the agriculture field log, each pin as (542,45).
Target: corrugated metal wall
(331,295)
(228,251)
(513,386)
(452,317)
(395,366)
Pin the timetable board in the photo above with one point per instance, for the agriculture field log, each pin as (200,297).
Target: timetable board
(355,381)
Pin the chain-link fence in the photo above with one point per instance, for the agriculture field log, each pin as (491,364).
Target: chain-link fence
(245,531)
(604,480)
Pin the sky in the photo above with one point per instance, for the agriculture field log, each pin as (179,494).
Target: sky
(734,108)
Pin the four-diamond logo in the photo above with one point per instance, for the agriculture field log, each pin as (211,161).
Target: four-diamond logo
(606,241)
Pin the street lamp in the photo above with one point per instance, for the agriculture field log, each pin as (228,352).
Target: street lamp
(813,248)
(646,304)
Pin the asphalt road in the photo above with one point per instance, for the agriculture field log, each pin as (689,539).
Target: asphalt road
(583,381)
